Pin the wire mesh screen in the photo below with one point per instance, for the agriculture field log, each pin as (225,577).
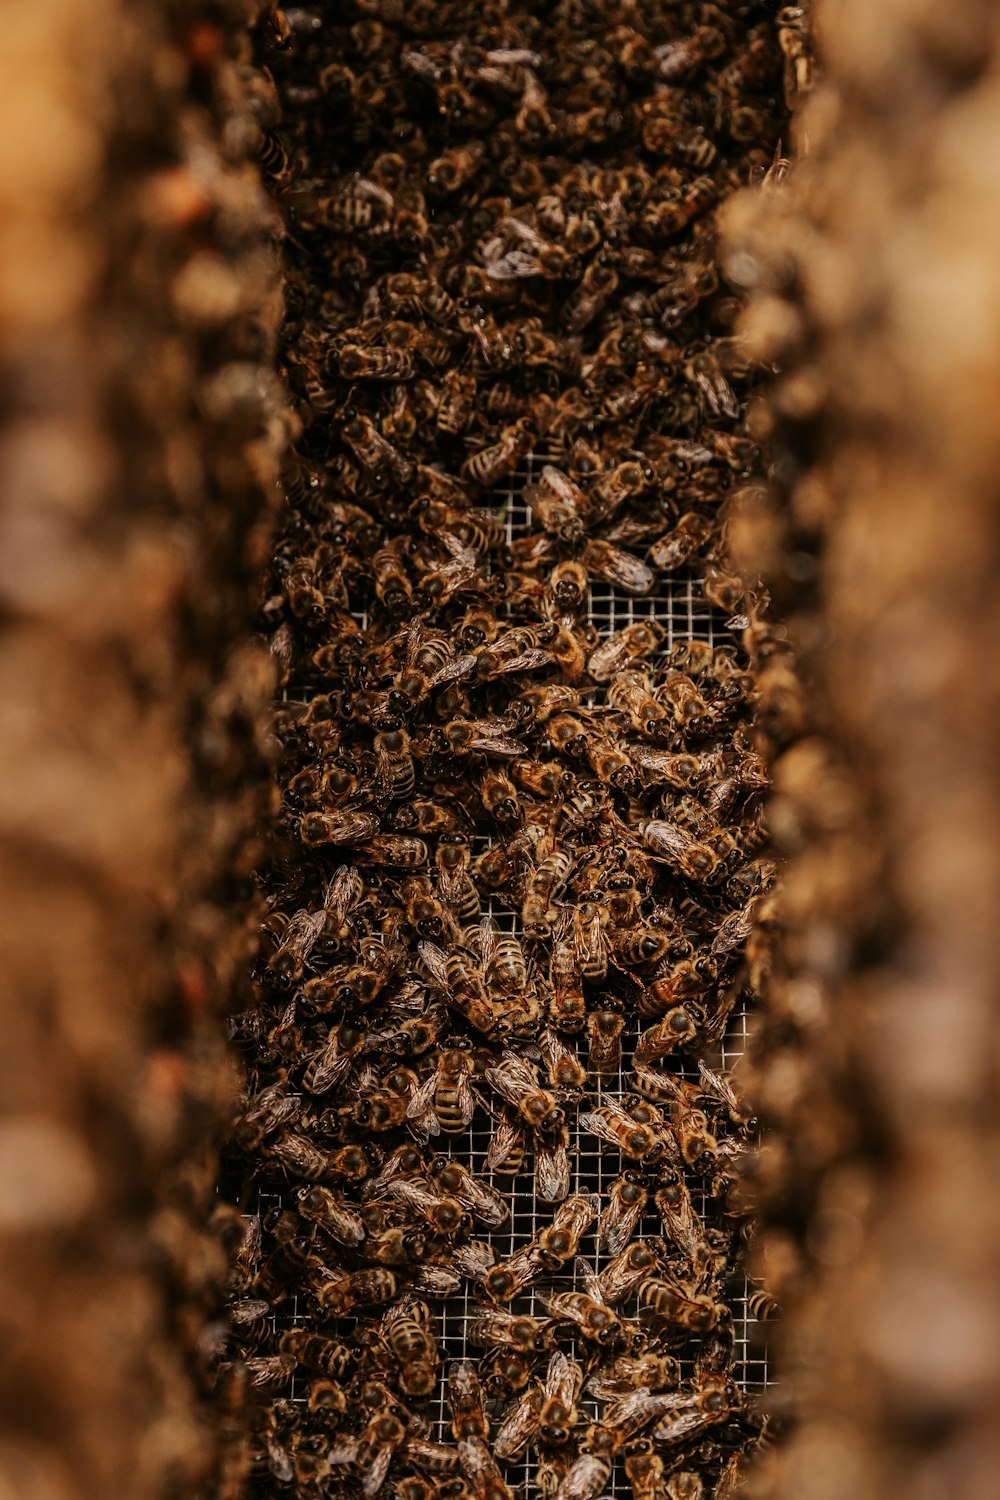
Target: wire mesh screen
(678,606)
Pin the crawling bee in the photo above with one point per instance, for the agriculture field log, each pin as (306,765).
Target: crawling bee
(406,1328)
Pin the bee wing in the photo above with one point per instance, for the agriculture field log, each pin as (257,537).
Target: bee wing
(483,1202)
(607,1388)
(589,1280)
(343,1452)
(378,1469)
(344,1226)
(719,1086)
(509,1082)
(420,1110)
(506,1141)
(466,1098)
(342,891)
(552,1169)
(435,961)
(680,1426)
(351,827)
(395,1311)
(618,1223)
(248,1309)
(473,1259)
(414,1194)
(563,1378)
(620,567)
(327,1068)
(660,1084)
(528,661)
(365,188)
(515,265)
(517,227)
(584,1480)
(494,741)
(279,1462)
(436,1281)
(382,777)
(603,663)
(452,671)
(666,839)
(489,934)
(301,933)
(519,1426)
(480,1466)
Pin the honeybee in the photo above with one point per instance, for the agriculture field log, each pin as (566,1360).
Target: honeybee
(686,854)
(624,1271)
(615,566)
(483,1202)
(595,1321)
(568,1006)
(568,587)
(482,736)
(628,1372)
(323,1355)
(544,883)
(516,1081)
(646,1473)
(595,289)
(425,914)
(641,638)
(547,1413)
(612,1123)
(321,1206)
(627,1198)
(590,944)
(445,1100)
(406,1328)
(465,1398)
(369,1287)
(384,1108)
(298,1156)
(331,1063)
(425,816)
(567,1075)
(561,508)
(559,1241)
(460,980)
(269,1110)
(399,850)
(451,171)
(612,766)
(604,1028)
(678,546)
(507,1279)
(592,1469)
(552,1165)
(395,774)
(499,797)
(519,1331)
(519,1426)
(373,1452)
(667,1302)
(353,1163)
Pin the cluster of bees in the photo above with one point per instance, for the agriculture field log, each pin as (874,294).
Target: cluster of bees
(500,243)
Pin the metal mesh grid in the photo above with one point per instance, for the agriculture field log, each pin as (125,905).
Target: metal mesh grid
(678,605)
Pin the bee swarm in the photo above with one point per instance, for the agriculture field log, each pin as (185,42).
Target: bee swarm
(500,254)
